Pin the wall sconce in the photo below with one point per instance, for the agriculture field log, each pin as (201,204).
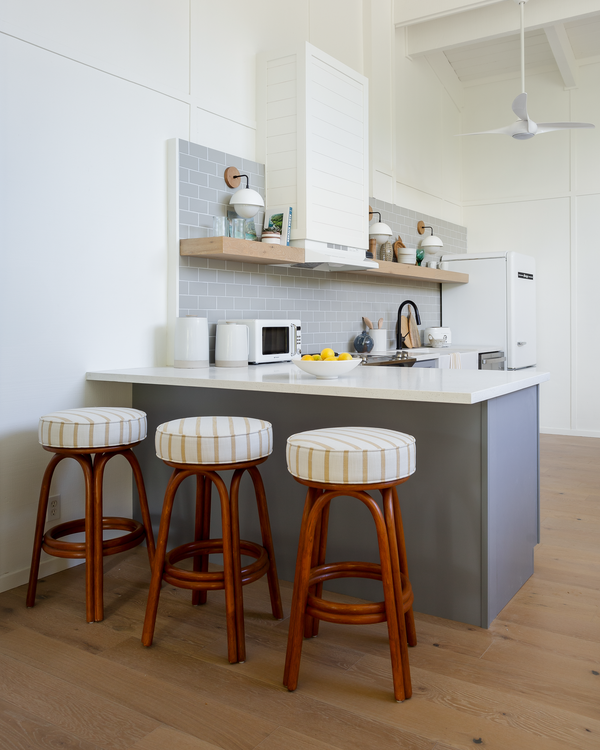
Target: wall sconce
(245,202)
(379,231)
(431,244)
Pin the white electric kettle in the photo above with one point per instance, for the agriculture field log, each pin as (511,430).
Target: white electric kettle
(231,347)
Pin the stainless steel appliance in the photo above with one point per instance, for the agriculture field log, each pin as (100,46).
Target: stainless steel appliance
(492,361)
(271,340)
(496,307)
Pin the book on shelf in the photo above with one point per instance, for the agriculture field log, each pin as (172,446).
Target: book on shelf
(280,219)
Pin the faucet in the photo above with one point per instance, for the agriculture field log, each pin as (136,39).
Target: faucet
(399,337)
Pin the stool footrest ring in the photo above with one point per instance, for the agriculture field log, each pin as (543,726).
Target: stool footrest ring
(339,612)
(54,545)
(190,579)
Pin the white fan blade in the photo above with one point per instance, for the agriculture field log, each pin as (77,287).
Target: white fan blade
(547,127)
(502,131)
(519,107)
(520,128)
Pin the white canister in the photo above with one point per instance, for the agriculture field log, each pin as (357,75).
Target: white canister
(380,339)
(231,346)
(191,342)
(443,334)
(407,255)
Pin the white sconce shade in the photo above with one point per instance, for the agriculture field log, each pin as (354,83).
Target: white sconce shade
(379,231)
(430,244)
(245,202)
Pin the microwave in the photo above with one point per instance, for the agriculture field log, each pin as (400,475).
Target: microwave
(271,340)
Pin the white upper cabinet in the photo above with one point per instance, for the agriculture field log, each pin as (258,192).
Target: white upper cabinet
(313,135)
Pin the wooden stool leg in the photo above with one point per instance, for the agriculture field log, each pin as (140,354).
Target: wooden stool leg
(39,529)
(267,541)
(228,568)
(201,531)
(312,512)
(411,632)
(100,461)
(389,515)
(319,552)
(88,472)
(391,606)
(141,489)
(176,479)
(237,565)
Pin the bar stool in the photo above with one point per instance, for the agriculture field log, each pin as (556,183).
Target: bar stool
(201,447)
(348,461)
(91,437)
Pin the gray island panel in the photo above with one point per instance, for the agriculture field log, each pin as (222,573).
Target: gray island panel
(444,504)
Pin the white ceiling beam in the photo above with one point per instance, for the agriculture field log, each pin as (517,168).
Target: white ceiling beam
(491,22)
(563,54)
(448,78)
(408,12)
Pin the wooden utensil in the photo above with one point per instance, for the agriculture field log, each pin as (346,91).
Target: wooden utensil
(380,323)
(368,323)
(404,331)
(415,336)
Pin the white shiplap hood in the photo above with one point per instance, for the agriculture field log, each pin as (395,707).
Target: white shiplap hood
(312,134)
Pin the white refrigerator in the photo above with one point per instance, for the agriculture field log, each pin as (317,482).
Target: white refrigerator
(496,307)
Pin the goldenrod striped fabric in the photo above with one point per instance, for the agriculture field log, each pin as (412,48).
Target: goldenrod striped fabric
(351,455)
(214,440)
(92,428)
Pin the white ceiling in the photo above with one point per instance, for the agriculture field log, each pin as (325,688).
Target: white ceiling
(474,63)
(469,42)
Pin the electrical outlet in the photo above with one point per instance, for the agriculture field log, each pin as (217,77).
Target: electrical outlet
(53,508)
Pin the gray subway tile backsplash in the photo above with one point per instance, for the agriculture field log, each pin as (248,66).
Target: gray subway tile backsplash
(330,305)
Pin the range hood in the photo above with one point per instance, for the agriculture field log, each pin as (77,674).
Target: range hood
(312,134)
(325,256)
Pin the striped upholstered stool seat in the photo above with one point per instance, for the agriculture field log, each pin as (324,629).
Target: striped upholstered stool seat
(351,455)
(348,461)
(92,428)
(214,440)
(90,436)
(201,447)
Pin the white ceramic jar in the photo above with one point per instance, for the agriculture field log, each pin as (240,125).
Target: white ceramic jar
(191,342)
(231,346)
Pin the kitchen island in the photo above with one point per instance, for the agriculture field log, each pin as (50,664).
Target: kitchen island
(470,511)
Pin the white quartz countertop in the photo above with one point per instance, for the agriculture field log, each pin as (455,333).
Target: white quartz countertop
(390,383)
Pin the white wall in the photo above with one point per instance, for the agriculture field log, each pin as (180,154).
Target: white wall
(90,94)
(542,197)
(427,175)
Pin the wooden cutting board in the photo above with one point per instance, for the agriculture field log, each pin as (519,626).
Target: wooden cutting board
(415,337)
(404,331)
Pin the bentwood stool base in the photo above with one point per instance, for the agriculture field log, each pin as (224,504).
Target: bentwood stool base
(312,571)
(93,462)
(233,576)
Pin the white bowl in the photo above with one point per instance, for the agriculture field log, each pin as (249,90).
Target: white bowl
(327,370)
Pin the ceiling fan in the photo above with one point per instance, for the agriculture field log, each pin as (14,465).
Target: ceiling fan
(525,128)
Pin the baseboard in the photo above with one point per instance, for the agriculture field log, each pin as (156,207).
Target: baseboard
(572,433)
(47,568)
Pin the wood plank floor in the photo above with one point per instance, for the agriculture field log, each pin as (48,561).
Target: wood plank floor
(531,681)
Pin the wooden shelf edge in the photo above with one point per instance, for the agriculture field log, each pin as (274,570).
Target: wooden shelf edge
(246,251)
(243,251)
(416,273)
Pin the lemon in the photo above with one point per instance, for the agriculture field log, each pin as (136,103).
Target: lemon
(327,352)
(307,356)
(330,359)
(316,357)
(344,356)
